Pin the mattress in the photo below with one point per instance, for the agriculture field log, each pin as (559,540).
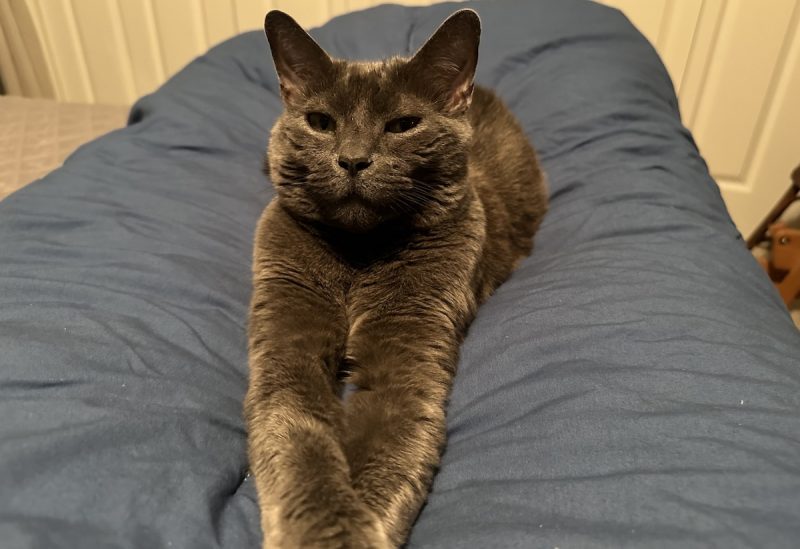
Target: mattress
(636,383)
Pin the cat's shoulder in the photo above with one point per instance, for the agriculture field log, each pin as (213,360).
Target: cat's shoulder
(487,107)
(484,99)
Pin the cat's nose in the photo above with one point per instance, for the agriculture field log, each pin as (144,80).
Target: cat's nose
(354,165)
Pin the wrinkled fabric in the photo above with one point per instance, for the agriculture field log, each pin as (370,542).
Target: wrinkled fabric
(635,384)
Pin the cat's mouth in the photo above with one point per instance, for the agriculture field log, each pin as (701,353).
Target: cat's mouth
(355,200)
(356,192)
(356,196)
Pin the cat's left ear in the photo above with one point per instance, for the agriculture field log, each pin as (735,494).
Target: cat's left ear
(447,61)
(299,60)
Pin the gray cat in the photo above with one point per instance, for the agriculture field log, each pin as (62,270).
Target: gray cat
(405,196)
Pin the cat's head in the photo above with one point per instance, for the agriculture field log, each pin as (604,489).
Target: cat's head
(361,144)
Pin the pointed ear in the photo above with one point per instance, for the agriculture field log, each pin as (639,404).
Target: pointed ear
(299,60)
(447,61)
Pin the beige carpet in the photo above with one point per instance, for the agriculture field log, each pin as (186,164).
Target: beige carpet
(36,135)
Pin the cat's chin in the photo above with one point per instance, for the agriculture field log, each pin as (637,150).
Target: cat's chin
(354,213)
(354,219)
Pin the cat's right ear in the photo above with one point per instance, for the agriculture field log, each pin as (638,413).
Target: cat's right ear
(446,62)
(298,59)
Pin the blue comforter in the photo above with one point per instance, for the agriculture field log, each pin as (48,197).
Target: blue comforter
(635,384)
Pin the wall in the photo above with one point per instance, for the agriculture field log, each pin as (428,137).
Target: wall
(113,51)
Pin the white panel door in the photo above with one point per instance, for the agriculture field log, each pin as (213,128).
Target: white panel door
(736,67)
(744,109)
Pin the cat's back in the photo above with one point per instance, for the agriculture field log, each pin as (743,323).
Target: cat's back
(499,145)
(504,168)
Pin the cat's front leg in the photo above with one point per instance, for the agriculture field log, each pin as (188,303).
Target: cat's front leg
(407,322)
(396,417)
(293,411)
(294,426)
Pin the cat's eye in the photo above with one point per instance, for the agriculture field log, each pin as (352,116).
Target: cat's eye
(400,125)
(320,121)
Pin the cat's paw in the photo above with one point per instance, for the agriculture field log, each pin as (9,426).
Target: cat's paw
(362,532)
(353,528)
(356,528)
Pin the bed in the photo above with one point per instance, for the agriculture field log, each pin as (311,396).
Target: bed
(636,383)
